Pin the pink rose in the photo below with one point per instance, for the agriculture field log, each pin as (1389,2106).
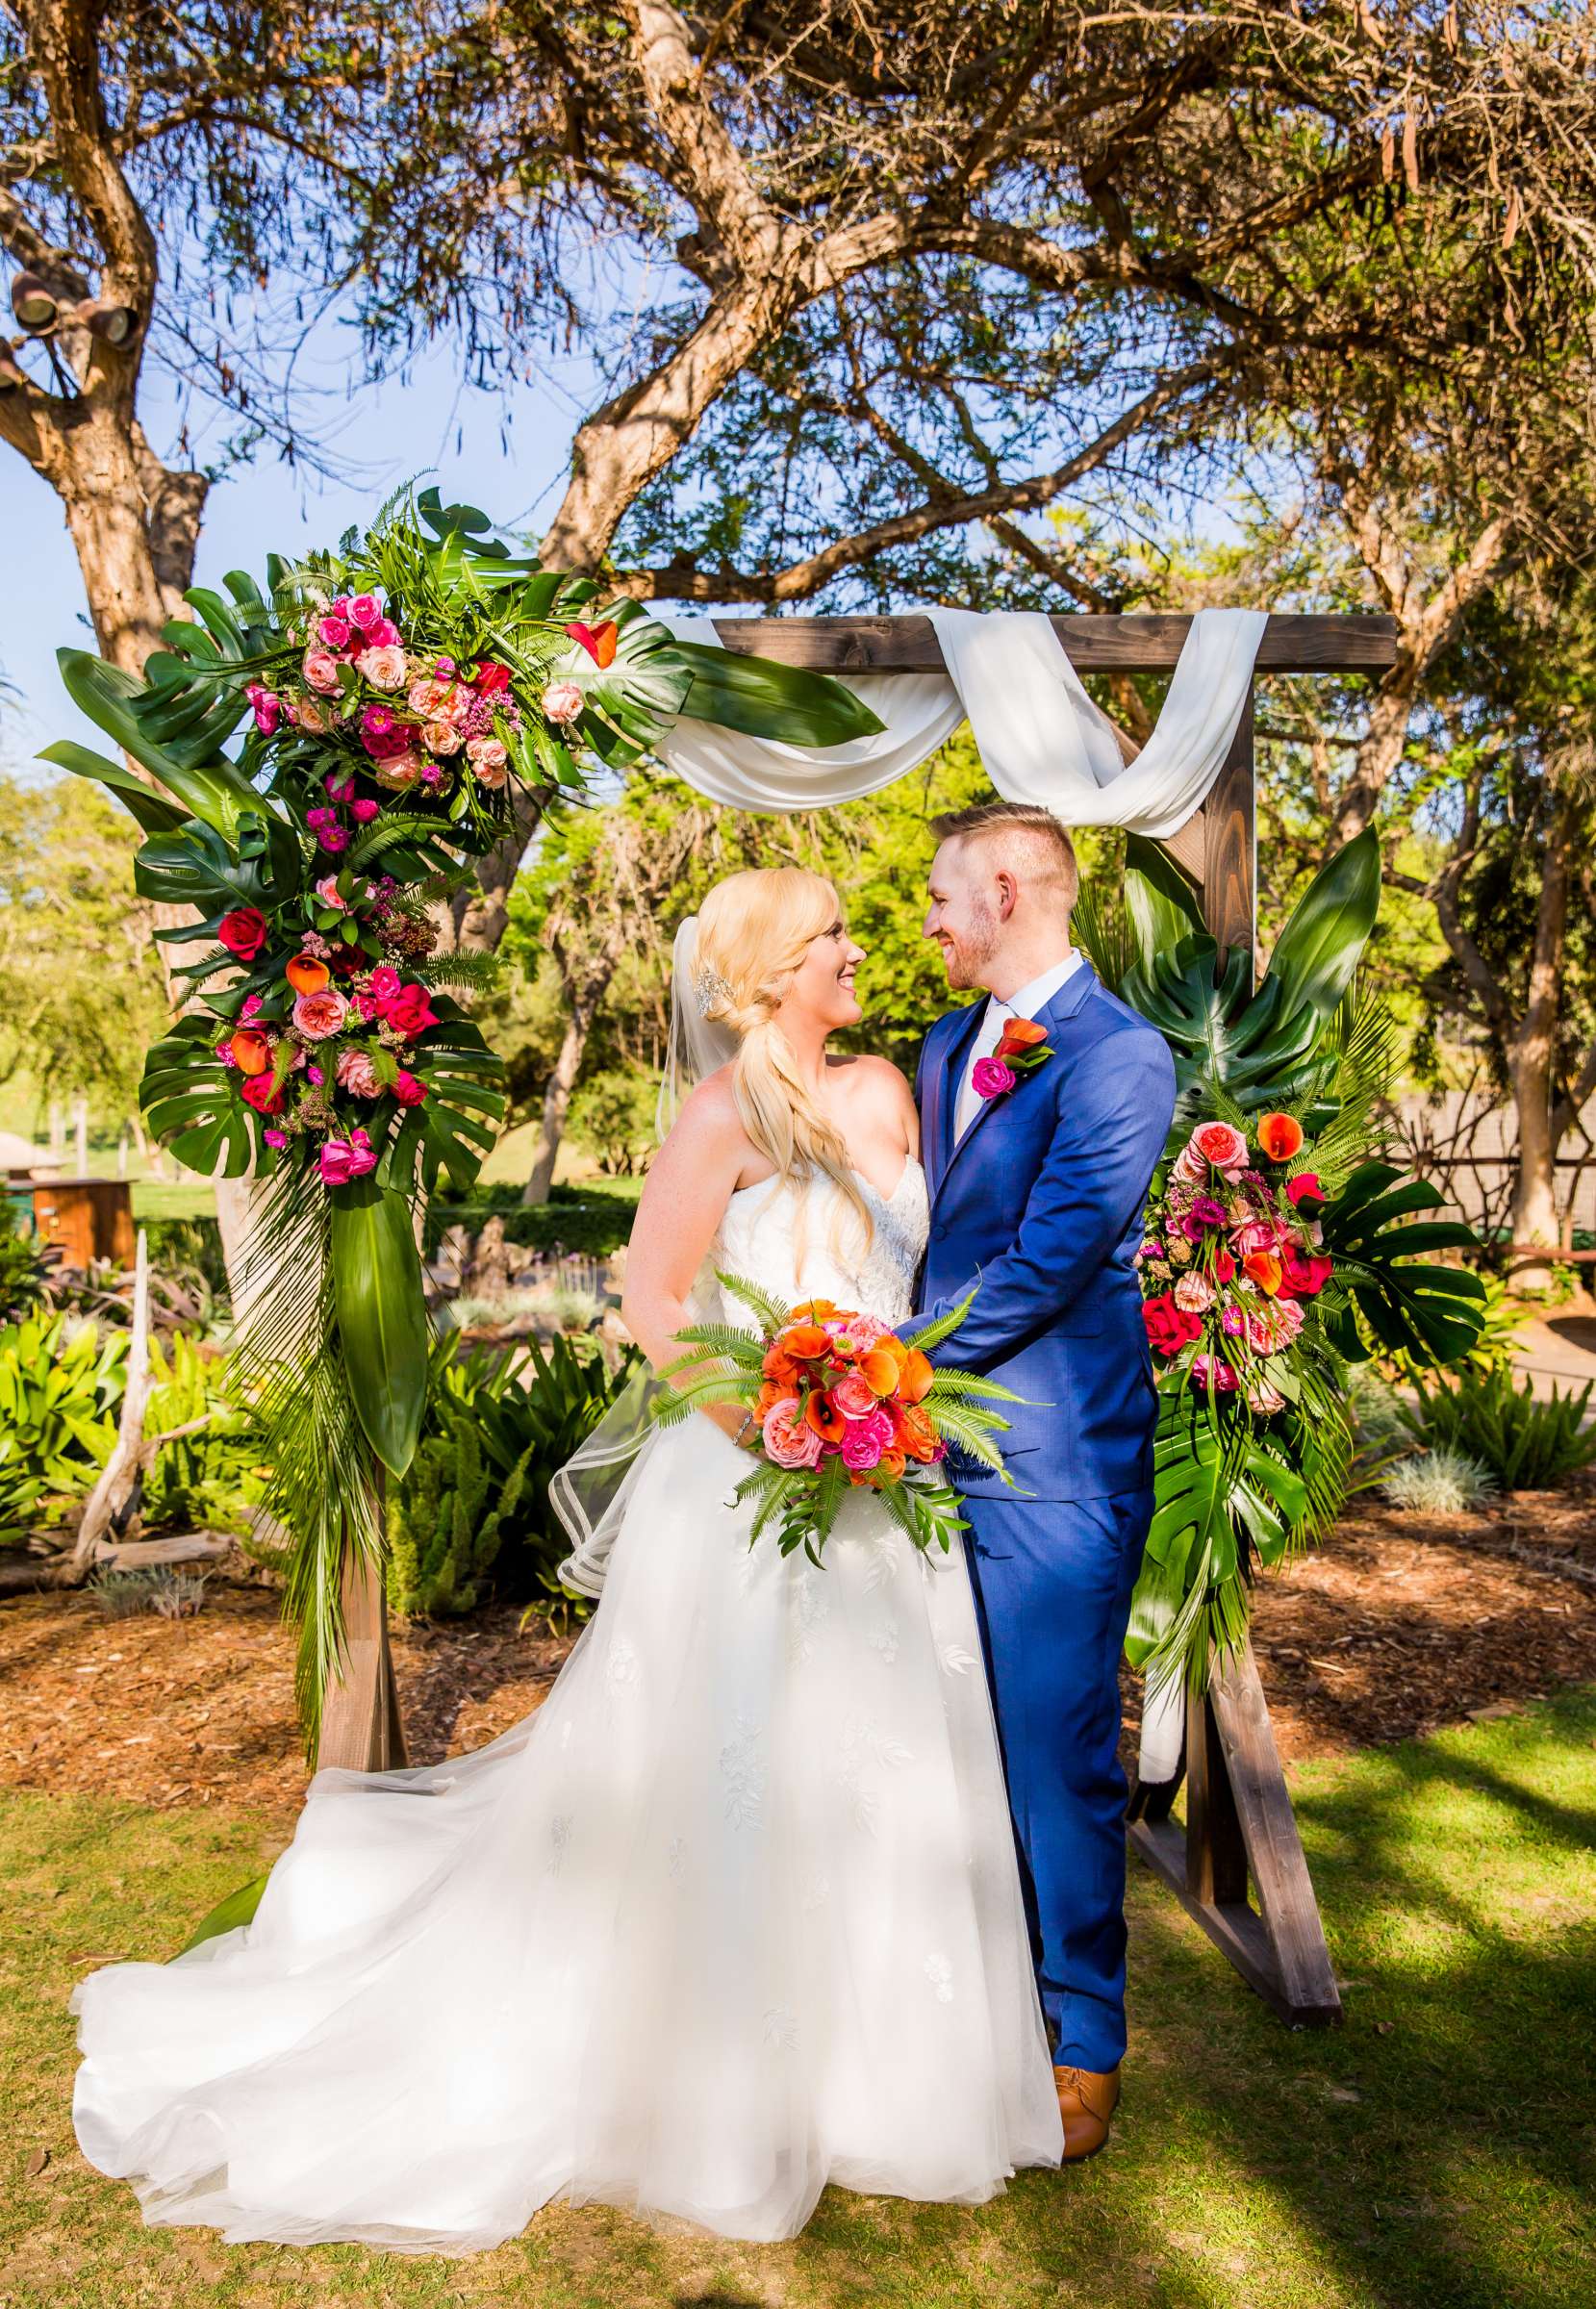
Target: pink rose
(326,890)
(363,811)
(1213,1367)
(491,771)
(864,1440)
(1217,1143)
(854,1397)
(1264,1398)
(318,1015)
(268,708)
(408,1088)
(385,635)
(439,701)
(992,1078)
(486,754)
(333,632)
(357,1074)
(384,984)
(1258,1234)
(321,670)
(442,736)
(366,612)
(1194,1294)
(384,667)
(341,1159)
(788,1437)
(308,715)
(562,701)
(399,771)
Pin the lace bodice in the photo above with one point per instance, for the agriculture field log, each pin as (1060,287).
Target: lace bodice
(819,1253)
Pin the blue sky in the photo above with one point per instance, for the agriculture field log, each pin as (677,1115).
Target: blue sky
(506,453)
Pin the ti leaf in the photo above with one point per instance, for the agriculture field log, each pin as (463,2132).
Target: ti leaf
(382,1315)
(770,700)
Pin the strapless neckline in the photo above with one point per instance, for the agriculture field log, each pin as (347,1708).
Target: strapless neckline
(911,1166)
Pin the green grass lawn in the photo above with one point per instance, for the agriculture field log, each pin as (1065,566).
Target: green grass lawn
(1435,2152)
(183,1197)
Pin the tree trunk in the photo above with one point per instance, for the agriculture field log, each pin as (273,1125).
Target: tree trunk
(557,1097)
(1532,1054)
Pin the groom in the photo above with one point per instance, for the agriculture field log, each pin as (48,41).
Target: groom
(1038,1177)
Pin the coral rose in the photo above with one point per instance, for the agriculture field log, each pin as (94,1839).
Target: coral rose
(384,668)
(490,759)
(442,736)
(357,1074)
(243,932)
(562,701)
(917,1435)
(318,1015)
(1194,1292)
(854,1397)
(321,670)
(1280,1136)
(307,976)
(1211,1144)
(779,1366)
(788,1439)
(250,1051)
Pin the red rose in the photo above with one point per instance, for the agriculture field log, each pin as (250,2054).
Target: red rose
(1303,1274)
(243,932)
(410,1012)
(1223,1266)
(262,1093)
(408,1088)
(491,678)
(1170,1328)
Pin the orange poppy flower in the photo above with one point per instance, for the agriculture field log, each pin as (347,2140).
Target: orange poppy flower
(878,1368)
(307,976)
(805,1342)
(251,1050)
(915,1383)
(823,1416)
(1265,1269)
(1280,1136)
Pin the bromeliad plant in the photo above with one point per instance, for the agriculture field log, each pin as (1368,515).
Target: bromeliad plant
(396,697)
(1276,1253)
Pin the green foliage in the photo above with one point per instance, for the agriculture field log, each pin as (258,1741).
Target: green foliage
(1427,1311)
(612,1116)
(382,1315)
(59,1392)
(474,1503)
(210,1477)
(24,1272)
(580,1220)
(1529,1445)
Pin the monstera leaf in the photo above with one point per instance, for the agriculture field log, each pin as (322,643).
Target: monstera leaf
(1160,901)
(380,1302)
(1432,1313)
(457,1125)
(193,866)
(209,786)
(1319,949)
(140,801)
(193,1102)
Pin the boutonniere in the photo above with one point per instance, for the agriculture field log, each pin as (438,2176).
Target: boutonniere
(1024,1048)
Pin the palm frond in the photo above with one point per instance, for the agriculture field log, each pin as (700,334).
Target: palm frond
(773,1313)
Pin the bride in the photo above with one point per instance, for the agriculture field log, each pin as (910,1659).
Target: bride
(736,1912)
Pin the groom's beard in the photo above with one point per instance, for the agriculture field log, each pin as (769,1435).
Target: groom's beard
(967,958)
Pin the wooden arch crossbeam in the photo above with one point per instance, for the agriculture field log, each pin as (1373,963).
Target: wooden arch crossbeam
(1239,1832)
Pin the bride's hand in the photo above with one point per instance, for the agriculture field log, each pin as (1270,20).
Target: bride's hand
(734,1420)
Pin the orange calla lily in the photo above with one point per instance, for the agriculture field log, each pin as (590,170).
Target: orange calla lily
(307,976)
(816,1310)
(878,1369)
(805,1341)
(1022,1033)
(251,1050)
(1266,1271)
(1280,1136)
(823,1416)
(915,1383)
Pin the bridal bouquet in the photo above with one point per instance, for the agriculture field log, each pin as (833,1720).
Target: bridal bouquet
(840,1402)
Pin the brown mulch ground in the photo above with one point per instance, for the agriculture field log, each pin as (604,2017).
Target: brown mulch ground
(1401,1625)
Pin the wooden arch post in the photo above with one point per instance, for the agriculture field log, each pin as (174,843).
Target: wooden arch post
(1240,1831)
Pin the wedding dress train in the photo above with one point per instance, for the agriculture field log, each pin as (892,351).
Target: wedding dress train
(735,1914)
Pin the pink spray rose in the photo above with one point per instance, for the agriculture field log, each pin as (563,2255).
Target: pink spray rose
(385,667)
(363,811)
(1214,1370)
(321,670)
(357,1074)
(788,1438)
(992,1078)
(318,1015)
(341,1159)
(864,1440)
(1264,1398)
(562,701)
(267,705)
(384,984)
(490,761)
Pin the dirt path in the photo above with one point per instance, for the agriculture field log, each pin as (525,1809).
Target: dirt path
(1400,1625)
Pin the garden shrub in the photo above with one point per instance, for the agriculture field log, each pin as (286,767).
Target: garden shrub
(592,1223)
(210,1478)
(1527,1444)
(59,1387)
(1438,1483)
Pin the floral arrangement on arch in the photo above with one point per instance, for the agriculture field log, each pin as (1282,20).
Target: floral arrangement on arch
(400,700)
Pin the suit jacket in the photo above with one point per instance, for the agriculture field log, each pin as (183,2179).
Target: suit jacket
(1041,1203)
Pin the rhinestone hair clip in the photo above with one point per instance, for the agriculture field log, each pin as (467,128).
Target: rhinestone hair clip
(710,991)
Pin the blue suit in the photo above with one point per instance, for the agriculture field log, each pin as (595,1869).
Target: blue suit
(1041,1203)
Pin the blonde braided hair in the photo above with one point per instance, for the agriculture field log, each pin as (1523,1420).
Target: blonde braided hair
(754,930)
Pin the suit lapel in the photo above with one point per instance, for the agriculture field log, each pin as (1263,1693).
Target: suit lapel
(951,1079)
(1054,1015)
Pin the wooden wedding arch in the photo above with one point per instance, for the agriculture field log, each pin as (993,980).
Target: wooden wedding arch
(1240,1837)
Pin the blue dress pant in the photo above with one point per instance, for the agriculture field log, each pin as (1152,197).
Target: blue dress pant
(1053,1580)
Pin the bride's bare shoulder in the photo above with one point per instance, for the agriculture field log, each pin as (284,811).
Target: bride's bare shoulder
(873,1081)
(708,1124)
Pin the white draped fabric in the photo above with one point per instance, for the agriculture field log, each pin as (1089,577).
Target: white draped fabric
(1040,735)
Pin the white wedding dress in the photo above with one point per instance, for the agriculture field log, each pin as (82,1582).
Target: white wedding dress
(734,1914)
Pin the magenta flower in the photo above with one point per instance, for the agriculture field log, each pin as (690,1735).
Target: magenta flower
(991,1078)
(362,812)
(267,705)
(341,1159)
(339,785)
(314,1073)
(276,1138)
(251,1004)
(408,1088)
(864,1440)
(333,633)
(366,612)
(1206,1369)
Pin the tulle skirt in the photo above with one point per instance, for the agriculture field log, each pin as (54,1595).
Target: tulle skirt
(734,1914)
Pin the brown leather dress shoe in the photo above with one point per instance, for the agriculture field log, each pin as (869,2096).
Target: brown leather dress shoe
(1087,2102)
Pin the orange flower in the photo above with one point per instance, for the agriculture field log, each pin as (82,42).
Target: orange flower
(307,976)
(878,1368)
(892,1464)
(251,1050)
(1021,1034)
(780,1365)
(805,1342)
(1279,1135)
(915,1383)
(823,1416)
(1265,1269)
(916,1434)
(770,1394)
(816,1310)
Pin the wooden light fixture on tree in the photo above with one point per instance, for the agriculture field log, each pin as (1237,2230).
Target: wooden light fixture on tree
(112,323)
(33,302)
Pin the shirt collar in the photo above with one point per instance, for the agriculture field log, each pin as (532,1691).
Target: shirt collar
(1027,999)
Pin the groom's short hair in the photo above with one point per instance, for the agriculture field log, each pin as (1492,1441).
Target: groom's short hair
(1043,845)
